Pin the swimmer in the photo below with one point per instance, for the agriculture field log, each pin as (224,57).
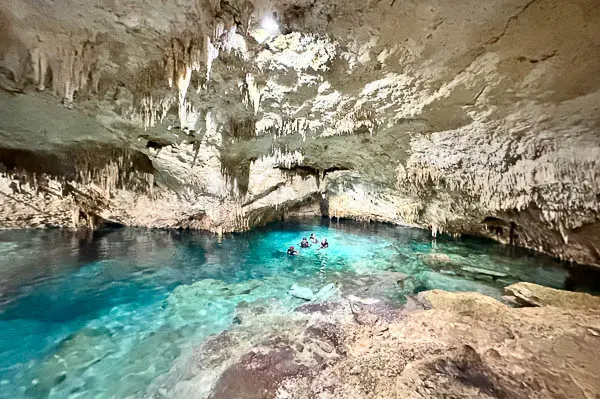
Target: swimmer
(292,251)
(313,238)
(324,243)
(304,243)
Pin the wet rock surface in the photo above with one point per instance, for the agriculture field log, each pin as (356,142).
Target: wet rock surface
(529,294)
(258,373)
(463,345)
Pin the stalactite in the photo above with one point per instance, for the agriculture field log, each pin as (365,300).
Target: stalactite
(212,53)
(563,232)
(75,216)
(187,53)
(225,39)
(355,121)
(183,82)
(411,212)
(154,110)
(251,93)
(212,133)
(286,127)
(68,69)
(287,159)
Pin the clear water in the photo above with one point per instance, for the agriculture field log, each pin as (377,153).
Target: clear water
(103,316)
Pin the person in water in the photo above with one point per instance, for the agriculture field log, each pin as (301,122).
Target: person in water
(292,251)
(313,239)
(304,243)
(324,243)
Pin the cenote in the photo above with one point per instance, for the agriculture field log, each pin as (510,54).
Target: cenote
(105,315)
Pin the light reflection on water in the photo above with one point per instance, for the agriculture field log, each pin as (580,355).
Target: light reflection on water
(101,315)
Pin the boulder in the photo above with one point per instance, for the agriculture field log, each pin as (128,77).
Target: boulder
(529,294)
(467,303)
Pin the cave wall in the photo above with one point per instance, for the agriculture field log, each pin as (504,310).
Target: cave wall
(476,117)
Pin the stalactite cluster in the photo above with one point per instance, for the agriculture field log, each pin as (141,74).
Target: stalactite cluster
(286,127)
(189,58)
(287,158)
(356,121)
(105,169)
(126,171)
(67,69)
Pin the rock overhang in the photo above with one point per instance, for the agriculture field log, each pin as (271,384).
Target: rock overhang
(433,114)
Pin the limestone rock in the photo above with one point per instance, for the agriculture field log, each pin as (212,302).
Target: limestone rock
(529,294)
(302,292)
(460,302)
(326,292)
(487,272)
(467,345)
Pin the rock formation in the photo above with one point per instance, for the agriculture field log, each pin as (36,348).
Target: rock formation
(529,294)
(474,118)
(464,345)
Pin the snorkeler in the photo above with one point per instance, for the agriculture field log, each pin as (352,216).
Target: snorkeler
(313,238)
(304,243)
(324,243)
(292,251)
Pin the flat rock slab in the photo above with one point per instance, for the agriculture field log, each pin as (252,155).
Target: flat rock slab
(478,270)
(302,292)
(529,294)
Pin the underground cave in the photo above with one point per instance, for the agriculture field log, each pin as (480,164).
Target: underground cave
(157,160)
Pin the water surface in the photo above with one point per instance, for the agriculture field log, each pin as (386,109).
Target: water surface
(103,315)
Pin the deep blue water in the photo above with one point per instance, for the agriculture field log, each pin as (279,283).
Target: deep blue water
(103,315)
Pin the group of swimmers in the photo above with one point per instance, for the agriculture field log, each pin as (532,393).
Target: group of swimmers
(305,244)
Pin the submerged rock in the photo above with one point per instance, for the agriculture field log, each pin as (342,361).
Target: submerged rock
(318,307)
(73,356)
(302,292)
(436,260)
(377,285)
(326,292)
(486,272)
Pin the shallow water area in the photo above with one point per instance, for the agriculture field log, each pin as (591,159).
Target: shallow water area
(104,315)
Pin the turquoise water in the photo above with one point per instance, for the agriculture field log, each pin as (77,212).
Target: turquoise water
(102,316)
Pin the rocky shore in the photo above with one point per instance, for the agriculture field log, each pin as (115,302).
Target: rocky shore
(437,345)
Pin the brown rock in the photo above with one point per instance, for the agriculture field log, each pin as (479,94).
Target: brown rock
(258,373)
(529,294)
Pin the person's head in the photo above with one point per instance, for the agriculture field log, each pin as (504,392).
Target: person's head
(312,235)
(291,248)
(324,239)
(303,238)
